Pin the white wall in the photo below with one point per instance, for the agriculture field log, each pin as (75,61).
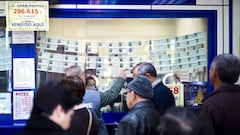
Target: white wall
(189,25)
(236,27)
(124,29)
(111,29)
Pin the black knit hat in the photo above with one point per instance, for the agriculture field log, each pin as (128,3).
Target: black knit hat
(142,86)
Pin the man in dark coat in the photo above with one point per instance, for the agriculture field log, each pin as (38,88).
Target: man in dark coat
(220,110)
(52,111)
(142,118)
(163,98)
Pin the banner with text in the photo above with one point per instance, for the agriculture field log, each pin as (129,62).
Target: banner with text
(27,15)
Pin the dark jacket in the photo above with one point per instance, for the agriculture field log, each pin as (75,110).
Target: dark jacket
(40,125)
(163,98)
(80,122)
(142,119)
(220,111)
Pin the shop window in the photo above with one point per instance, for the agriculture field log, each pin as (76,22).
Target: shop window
(107,46)
(5,69)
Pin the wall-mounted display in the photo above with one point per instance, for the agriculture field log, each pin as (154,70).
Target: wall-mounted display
(103,47)
(173,54)
(5,52)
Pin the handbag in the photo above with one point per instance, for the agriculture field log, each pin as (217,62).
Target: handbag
(90,122)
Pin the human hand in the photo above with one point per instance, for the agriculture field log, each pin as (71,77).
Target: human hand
(123,74)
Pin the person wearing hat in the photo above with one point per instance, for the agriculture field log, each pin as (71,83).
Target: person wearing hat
(96,99)
(163,97)
(142,118)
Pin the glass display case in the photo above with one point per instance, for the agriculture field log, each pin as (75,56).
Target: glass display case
(103,40)
(104,47)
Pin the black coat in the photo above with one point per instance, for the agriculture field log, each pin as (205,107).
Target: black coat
(40,125)
(142,119)
(80,122)
(220,112)
(163,98)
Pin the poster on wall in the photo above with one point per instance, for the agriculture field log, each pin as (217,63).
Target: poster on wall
(27,16)
(23,73)
(2,8)
(178,93)
(23,37)
(5,103)
(22,104)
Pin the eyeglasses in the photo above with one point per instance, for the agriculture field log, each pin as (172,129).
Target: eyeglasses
(126,92)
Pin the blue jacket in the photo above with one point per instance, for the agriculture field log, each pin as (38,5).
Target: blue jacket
(95,100)
(92,100)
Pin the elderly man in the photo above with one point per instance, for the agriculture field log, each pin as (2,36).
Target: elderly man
(107,97)
(142,118)
(220,110)
(95,99)
(163,97)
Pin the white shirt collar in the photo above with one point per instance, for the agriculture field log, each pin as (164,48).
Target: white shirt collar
(155,82)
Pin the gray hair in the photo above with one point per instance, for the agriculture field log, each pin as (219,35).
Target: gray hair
(145,67)
(182,122)
(227,66)
(73,71)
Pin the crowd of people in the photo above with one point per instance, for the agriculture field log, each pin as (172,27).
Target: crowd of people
(72,105)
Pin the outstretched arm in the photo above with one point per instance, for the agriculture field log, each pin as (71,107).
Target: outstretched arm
(110,96)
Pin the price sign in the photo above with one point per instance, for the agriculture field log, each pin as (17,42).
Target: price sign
(27,15)
(22,104)
(178,92)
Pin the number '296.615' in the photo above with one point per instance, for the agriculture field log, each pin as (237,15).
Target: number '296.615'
(25,11)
